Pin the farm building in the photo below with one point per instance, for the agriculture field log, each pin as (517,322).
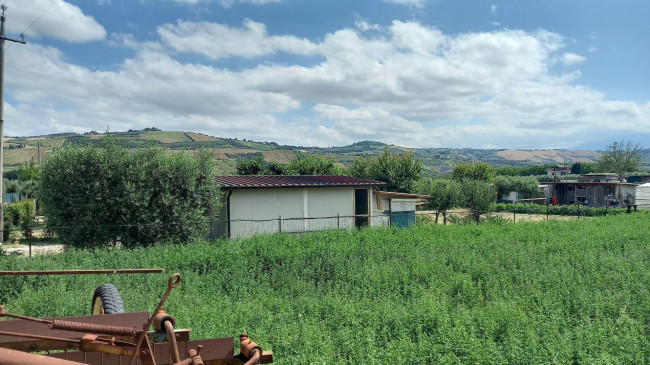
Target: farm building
(558,171)
(594,193)
(399,208)
(268,204)
(513,197)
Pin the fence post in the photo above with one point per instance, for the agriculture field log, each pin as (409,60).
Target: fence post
(547,211)
(514,215)
(338,220)
(280,223)
(605,209)
(30,248)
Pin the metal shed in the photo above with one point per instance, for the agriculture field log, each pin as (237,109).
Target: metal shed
(399,208)
(269,204)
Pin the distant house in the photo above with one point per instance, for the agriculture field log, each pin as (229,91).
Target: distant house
(558,171)
(268,204)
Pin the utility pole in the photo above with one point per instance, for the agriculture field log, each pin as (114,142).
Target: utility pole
(3,38)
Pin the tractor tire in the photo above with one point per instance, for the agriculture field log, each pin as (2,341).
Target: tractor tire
(107,300)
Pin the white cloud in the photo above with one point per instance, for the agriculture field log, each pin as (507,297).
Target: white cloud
(364,26)
(493,9)
(416,3)
(218,41)
(62,21)
(572,58)
(407,84)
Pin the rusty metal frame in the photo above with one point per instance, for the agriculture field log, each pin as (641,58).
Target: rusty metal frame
(117,339)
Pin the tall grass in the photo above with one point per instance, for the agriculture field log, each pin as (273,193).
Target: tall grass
(564,292)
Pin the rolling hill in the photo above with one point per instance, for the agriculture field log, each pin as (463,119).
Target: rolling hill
(227,151)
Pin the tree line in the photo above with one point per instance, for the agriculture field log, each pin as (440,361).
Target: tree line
(100,195)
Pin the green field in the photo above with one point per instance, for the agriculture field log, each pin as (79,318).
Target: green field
(164,137)
(557,292)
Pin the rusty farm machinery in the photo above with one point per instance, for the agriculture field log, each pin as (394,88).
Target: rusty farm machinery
(110,337)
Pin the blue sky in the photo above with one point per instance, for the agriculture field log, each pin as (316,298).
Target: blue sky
(417,73)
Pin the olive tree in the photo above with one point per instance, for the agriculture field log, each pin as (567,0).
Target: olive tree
(97,196)
(477,195)
(400,170)
(444,195)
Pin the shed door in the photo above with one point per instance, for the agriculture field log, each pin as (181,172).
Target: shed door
(361,207)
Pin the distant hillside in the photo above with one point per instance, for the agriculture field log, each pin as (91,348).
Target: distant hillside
(227,151)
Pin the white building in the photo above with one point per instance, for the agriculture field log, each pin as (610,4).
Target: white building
(268,204)
(643,196)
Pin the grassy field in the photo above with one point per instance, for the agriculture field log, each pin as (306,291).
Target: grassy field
(165,137)
(557,292)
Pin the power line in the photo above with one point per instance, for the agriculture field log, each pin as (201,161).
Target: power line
(40,16)
(22,35)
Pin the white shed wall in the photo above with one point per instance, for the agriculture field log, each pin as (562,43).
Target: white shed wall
(256,211)
(643,196)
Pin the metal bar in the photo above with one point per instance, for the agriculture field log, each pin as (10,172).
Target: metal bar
(38,337)
(13,357)
(82,272)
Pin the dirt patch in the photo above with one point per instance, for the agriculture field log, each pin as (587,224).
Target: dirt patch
(280,156)
(36,249)
(509,216)
(198,137)
(220,153)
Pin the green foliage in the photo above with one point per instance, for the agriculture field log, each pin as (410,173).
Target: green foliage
(477,195)
(400,171)
(12,214)
(306,165)
(28,171)
(256,166)
(445,194)
(621,157)
(11,186)
(313,165)
(557,292)
(473,171)
(567,210)
(527,185)
(523,171)
(108,195)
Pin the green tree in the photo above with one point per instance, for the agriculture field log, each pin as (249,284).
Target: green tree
(473,171)
(477,195)
(311,165)
(95,196)
(308,165)
(526,185)
(256,166)
(400,170)
(444,195)
(621,157)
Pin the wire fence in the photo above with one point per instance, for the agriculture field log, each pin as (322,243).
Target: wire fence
(43,240)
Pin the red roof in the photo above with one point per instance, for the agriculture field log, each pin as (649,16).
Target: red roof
(282,181)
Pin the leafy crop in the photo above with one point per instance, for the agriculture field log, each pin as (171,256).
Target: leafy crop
(563,292)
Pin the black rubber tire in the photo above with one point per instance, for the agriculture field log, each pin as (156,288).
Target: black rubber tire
(106,300)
